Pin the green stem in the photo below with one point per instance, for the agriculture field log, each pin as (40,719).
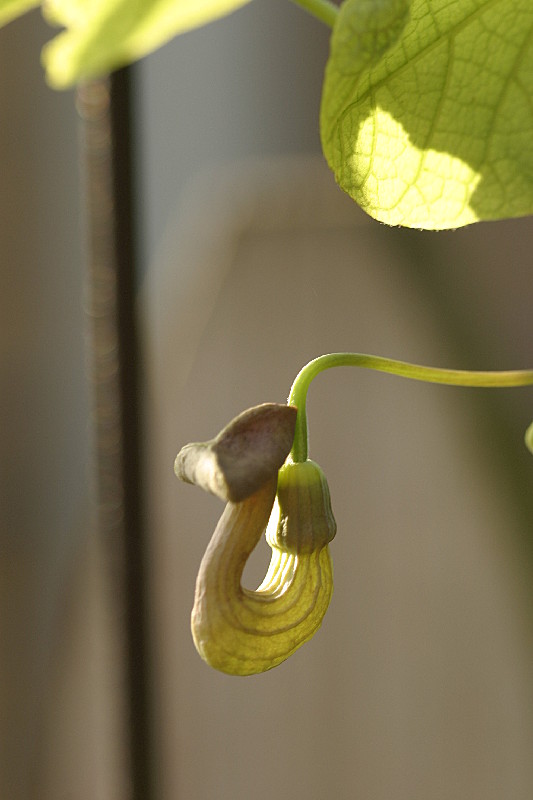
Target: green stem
(324,10)
(452,377)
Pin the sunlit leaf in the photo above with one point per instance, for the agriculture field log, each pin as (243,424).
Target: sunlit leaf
(10,9)
(102,35)
(427,119)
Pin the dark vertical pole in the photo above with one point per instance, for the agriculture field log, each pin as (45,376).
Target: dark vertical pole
(106,108)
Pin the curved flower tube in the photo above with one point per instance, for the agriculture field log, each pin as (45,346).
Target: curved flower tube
(243,632)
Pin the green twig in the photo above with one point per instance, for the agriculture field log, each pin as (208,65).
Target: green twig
(452,377)
(324,10)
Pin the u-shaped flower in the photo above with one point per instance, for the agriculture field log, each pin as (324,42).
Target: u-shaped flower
(241,631)
(237,630)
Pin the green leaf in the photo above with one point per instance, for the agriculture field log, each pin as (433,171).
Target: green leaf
(427,109)
(10,9)
(102,35)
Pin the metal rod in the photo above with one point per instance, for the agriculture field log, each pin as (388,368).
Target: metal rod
(106,109)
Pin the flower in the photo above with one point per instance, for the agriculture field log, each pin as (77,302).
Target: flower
(237,630)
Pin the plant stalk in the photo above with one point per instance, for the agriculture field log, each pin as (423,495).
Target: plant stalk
(450,377)
(324,10)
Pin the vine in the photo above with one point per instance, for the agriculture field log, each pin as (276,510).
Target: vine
(243,632)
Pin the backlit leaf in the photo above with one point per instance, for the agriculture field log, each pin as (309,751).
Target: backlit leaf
(427,109)
(102,35)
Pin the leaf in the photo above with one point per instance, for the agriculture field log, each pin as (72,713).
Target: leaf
(102,35)
(10,9)
(427,119)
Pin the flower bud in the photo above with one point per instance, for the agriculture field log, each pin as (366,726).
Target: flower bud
(305,523)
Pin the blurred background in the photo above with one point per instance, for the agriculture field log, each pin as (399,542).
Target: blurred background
(419,686)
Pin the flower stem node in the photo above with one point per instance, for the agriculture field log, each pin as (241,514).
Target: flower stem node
(305,522)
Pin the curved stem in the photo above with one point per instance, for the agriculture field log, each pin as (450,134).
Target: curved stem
(324,10)
(451,377)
